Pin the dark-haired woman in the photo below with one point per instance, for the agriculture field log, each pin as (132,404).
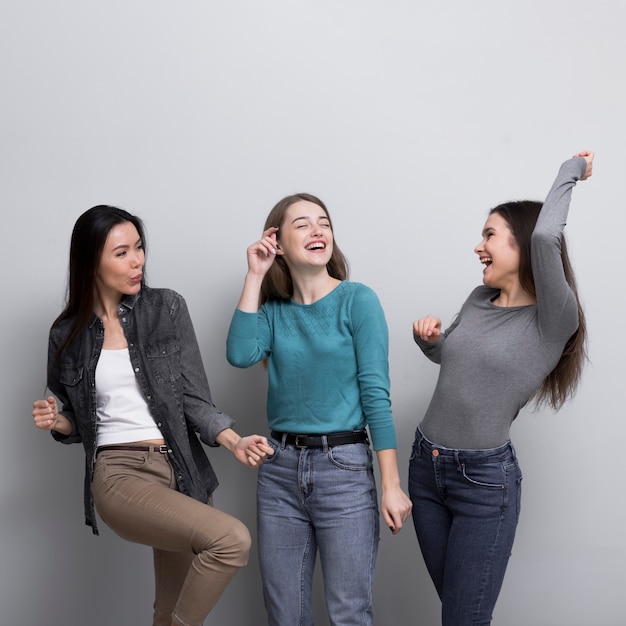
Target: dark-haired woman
(325,342)
(125,365)
(520,336)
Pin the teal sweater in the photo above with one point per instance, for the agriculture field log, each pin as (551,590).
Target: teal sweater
(327,362)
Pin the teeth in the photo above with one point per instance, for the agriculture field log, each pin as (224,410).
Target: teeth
(486,260)
(315,246)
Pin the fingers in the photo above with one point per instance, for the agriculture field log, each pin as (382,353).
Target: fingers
(395,518)
(428,328)
(45,413)
(267,244)
(256,449)
(261,254)
(588,156)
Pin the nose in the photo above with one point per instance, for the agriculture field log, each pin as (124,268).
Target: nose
(138,258)
(479,248)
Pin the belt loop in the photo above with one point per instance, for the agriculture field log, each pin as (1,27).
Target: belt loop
(457,458)
(283,441)
(512,448)
(420,440)
(325,443)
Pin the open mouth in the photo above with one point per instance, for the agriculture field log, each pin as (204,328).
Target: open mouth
(316,245)
(486,260)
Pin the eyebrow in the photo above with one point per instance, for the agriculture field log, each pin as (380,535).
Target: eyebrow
(307,217)
(123,245)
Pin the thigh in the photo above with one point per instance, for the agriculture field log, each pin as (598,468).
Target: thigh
(344,509)
(431,517)
(136,496)
(485,501)
(286,541)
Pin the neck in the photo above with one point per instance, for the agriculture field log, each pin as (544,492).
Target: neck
(310,288)
(106,307)
(516,297)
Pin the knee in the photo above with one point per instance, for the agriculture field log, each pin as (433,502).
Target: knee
(241,541)
(232,547)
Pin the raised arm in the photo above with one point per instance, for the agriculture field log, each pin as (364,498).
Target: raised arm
(556,303)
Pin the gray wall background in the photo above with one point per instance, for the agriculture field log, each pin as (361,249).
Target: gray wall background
(410,119)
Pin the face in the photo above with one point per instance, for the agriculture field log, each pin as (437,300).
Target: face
(121,265)
(499,253)
(305,237)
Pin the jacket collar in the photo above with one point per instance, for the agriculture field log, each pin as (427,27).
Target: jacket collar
(126,303)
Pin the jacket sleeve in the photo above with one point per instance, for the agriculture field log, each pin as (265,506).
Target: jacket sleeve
(56,385)
(201,414)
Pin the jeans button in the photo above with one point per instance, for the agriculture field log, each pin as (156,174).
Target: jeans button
(435,452)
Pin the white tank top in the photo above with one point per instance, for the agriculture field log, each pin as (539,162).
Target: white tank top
(122,412)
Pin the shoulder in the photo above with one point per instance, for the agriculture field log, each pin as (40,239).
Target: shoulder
(358,292)
(482,293)
(159,297)
(480,296)
(60,330)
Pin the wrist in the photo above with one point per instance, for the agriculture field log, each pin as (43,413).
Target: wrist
(228,439)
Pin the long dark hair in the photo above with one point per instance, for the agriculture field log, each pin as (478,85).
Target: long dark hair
(277,283)
(88,238)
(563,380)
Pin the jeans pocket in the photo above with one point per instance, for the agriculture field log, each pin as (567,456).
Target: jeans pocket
(488,475)
(271,458)
(352,456)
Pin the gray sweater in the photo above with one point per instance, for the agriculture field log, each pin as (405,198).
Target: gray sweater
(493,359)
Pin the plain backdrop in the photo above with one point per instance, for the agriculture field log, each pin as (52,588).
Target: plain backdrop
(410,120)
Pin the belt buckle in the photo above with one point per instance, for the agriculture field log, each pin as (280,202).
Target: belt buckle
(297,443)
(163,449)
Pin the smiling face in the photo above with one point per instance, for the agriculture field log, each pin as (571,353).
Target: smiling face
(305,236)
(499,253)
(120,270)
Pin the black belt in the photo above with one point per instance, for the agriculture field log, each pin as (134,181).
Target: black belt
(315,441)
(163,449)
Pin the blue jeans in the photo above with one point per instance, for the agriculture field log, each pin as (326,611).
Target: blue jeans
(314,499)
(466,506)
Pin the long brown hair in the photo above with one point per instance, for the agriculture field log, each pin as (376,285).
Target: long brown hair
(277,283)
(562,382)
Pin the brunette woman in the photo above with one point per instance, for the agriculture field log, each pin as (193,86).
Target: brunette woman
(518,337)
(325,342)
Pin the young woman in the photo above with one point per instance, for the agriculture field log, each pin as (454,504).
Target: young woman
(325,342)
(124,362)
(519,336)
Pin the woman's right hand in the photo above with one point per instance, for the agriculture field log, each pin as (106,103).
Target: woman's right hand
(427,328)
(588,156)
(261,254)
(45,413)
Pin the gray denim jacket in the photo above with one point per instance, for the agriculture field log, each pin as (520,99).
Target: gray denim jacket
(165,356)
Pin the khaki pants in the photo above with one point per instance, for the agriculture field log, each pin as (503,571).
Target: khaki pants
(197,549)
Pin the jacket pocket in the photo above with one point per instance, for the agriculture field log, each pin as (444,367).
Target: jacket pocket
(164,361)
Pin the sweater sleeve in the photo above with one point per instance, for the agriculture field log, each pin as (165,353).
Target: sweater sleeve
(249,338)
(556,304)
(371,344)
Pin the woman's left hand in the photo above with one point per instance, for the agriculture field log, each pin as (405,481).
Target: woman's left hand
(252,450)
(395,507)
(588,156)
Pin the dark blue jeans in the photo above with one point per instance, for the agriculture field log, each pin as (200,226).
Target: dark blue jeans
(466,505)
